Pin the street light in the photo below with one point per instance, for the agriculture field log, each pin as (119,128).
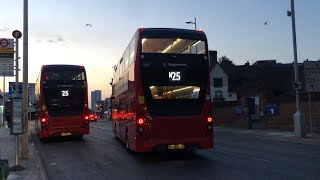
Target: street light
(299,125)
(195,23)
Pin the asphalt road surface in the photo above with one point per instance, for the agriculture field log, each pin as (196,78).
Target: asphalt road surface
(100,156)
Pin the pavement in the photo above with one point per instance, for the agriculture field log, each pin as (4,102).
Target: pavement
(287,136)
(34,169)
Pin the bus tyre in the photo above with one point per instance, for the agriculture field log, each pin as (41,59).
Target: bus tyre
(44,140)
(80,137)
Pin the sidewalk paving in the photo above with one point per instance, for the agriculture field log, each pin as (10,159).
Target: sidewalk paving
(271,134)
(33,166)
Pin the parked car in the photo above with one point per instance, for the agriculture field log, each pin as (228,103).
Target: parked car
(93,117)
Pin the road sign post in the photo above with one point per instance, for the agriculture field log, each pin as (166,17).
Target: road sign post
(17,120)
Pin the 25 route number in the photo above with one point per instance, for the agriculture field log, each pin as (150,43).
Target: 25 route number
(65,93)
(174,76)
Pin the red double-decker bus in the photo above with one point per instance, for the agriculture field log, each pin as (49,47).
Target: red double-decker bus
(61,101)
(160,89)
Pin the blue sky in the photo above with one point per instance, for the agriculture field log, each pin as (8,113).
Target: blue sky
(234,28)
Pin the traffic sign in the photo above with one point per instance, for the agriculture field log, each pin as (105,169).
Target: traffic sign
(312,76)
(6,50)
(17,34)
(4,42)
(6,67)
(6,55)
(296,85)
(271,110)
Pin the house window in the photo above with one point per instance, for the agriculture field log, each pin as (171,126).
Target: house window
(217,82)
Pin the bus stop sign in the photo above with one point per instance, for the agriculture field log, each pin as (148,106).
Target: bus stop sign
(17,34)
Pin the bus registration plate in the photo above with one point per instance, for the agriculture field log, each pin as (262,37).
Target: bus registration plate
(176,146)
(65,134)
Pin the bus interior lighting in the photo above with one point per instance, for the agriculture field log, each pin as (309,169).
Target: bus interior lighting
(181,89)
(172,45)
(143,40)
(196,43)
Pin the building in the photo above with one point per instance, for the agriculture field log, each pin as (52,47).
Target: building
(95,98)
(261,95)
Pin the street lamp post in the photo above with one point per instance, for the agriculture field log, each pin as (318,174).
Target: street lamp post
(195,23)
(24,149)
(299,124)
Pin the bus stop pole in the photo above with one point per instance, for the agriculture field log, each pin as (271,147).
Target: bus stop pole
(4,102)
(17,166)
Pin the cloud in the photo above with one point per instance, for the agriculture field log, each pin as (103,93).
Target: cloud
(4,29)
(60,39)
(57,39)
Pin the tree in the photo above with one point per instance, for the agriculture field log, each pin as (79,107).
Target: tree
(225,61)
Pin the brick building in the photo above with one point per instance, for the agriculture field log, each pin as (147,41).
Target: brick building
(262,93)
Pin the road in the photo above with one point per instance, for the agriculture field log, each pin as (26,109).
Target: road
(100,156)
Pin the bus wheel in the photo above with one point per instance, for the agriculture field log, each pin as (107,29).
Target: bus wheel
(44,140)
(80,137)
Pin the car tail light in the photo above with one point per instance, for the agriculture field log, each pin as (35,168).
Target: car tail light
(140,121)
(44,120)
(209,119)
(86,117)
(96,116)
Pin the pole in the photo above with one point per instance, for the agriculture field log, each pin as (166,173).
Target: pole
(17,166)
(310,114)
(195,23)
(4,102)
(299,126)
(17,151)
(24,149)
(17,67)
(16,92)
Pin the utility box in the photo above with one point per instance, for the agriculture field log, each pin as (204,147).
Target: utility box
(16,116)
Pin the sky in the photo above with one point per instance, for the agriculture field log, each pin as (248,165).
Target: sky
(235,28)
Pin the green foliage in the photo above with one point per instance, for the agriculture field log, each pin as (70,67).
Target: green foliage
(4,169)
(225,61)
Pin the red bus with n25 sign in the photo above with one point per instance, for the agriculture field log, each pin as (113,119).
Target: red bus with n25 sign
(161,96)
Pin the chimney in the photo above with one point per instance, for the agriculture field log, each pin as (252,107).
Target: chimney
(213,59)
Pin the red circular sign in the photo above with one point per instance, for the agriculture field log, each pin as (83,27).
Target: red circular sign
(17,34)
(4,42)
